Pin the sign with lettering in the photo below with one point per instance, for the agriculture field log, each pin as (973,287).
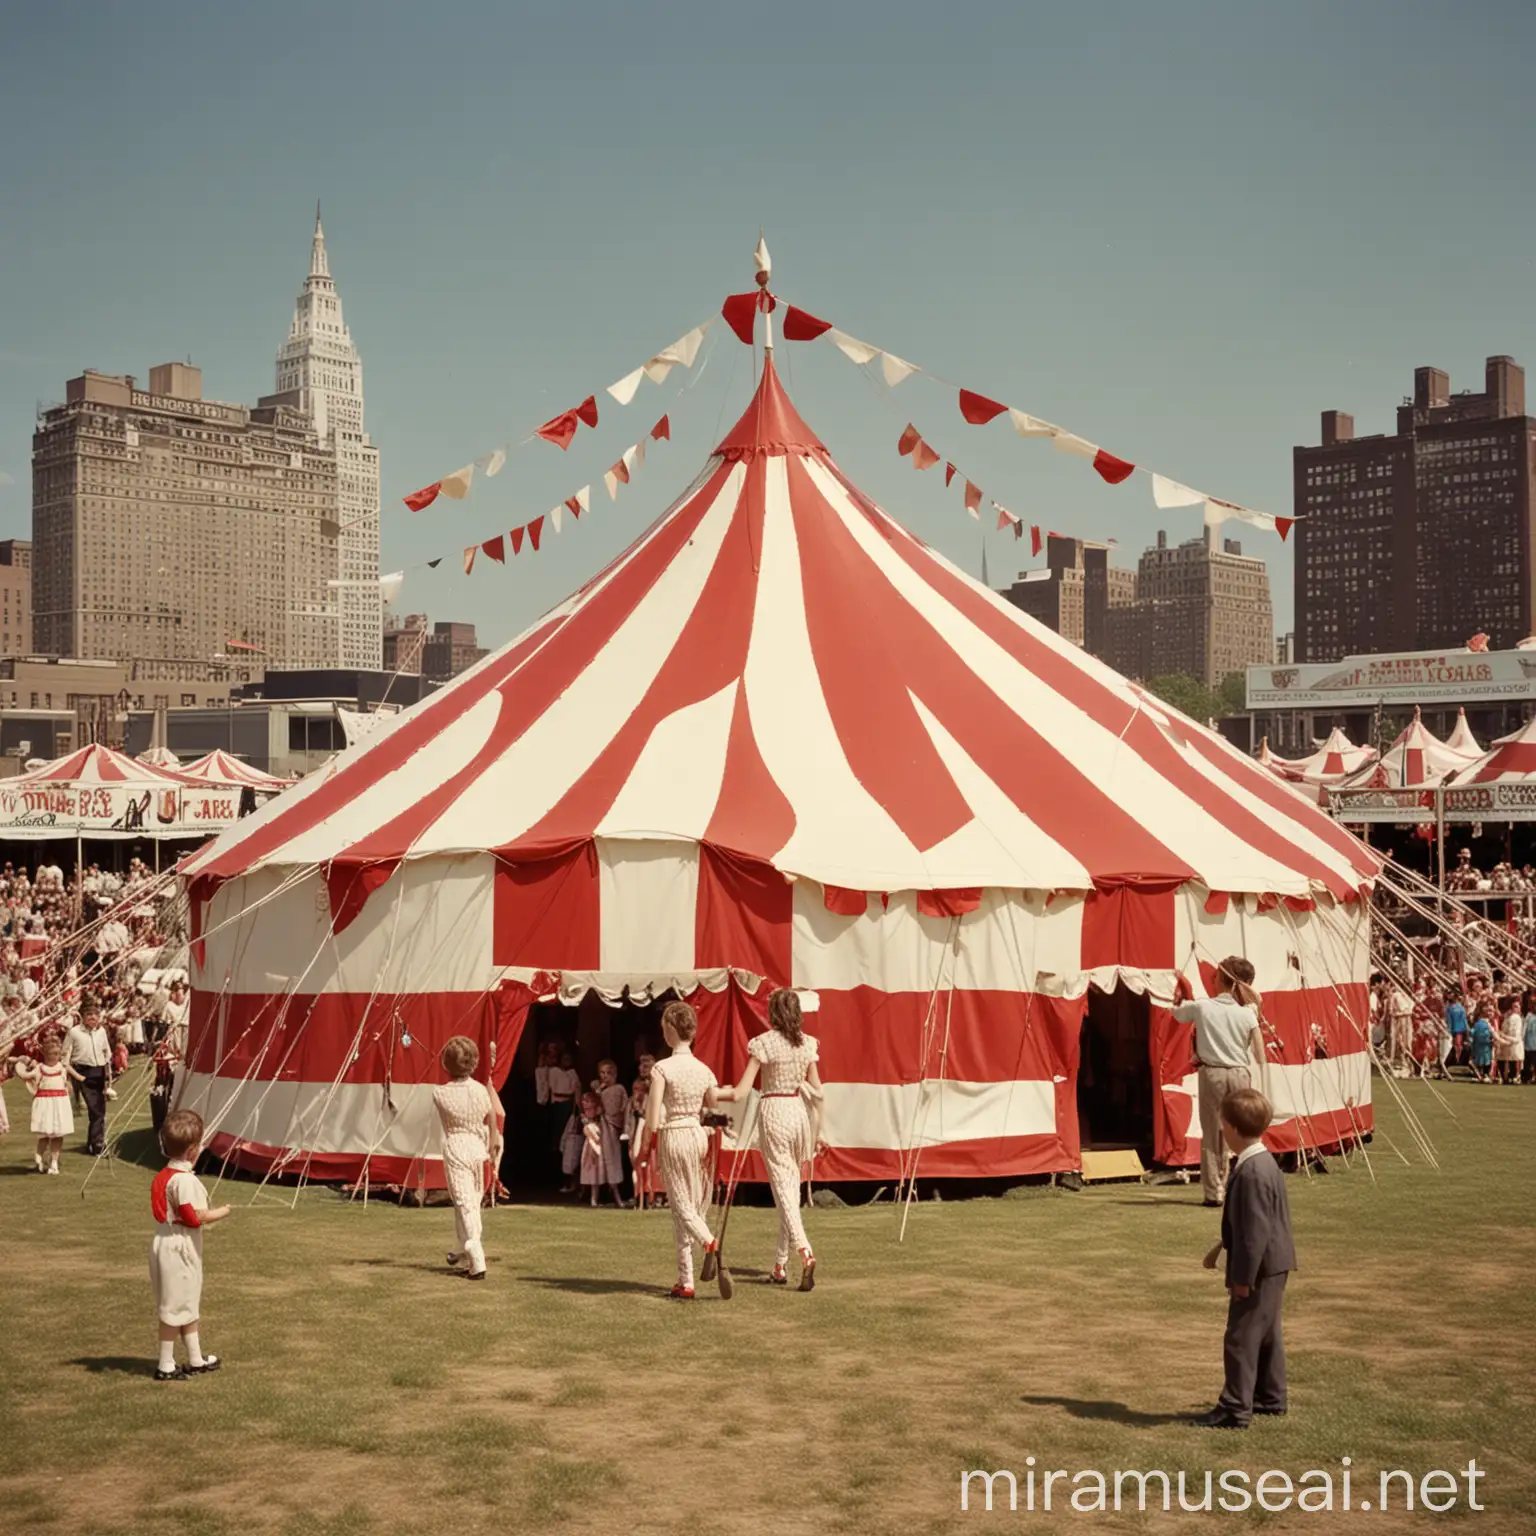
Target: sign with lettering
(123,809)
(169,403)
(1414,677)
(1491,802)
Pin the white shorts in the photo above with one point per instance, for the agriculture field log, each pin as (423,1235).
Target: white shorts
(176,1275)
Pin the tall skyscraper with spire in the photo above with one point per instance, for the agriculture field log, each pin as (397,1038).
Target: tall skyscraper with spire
(319,370)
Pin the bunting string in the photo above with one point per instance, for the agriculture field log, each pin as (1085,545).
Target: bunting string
(979,410)
(561,430)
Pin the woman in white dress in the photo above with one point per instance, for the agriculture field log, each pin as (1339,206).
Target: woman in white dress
(470,1118)
(682,1087)
(789,1101)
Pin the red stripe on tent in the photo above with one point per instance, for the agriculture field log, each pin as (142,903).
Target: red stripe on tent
(954,903)
(1216,902)
(1129,926)
(744,915)
(985,1158)
(977,409)
(727,1020)
(349,886)
(846,903)
(752,814)
(802,326)
(547,912)
(881,734)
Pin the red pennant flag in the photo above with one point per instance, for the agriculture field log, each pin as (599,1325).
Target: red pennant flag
(923,457)
(1283,527)
(740,312)
(1112,469)
(799,326)
(574,503)
(972,497)
(663,428)
(496,550)
(517,540)
(908,440)
(1005,518)
(535,528)
(620,472)
(1034,540)
(977,409)
(587,410)
(418,500)
(949,473)
(559,430)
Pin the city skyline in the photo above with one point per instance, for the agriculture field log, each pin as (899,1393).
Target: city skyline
(1053,224)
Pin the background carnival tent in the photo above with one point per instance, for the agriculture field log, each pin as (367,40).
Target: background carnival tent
(218,767)
(1417,759)
(1331,764)
(778,741)
(1510,760)
(1461,739)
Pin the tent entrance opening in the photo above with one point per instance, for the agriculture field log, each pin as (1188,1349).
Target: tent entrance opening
(1114,1072)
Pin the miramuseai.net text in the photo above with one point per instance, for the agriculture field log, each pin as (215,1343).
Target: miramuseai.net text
(1230,1491)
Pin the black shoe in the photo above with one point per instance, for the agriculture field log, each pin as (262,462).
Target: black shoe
(1272,1413)
(475,1274)
(1219,1418)
(1211,1205)
(176,1373)
(210,1363)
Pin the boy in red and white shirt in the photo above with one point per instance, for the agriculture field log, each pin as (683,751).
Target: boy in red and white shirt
(179,1204)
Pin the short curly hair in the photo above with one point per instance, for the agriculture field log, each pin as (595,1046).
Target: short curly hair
(460,1057)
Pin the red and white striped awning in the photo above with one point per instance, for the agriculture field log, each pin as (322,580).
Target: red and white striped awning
(218,767)
(777,668)
(96,764)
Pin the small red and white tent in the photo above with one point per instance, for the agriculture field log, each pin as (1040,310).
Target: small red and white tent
(1330,765)
(1417,759)
(1498,786)
(1510,760)
(160,757)
(778,741)
(1461,739)
(218,767)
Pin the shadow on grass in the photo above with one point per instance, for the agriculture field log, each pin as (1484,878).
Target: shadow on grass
(578,1286)
(441,1270)
(123,1365)
(141,1146)
(1116,1413)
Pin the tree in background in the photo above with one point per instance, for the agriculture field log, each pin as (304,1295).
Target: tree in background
(1185,693)
(1232,696)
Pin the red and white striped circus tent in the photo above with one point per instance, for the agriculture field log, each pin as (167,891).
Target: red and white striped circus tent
(1331,764)
(1417,759)
(1510,760)
(778,741)
(218,767)
(1461,739)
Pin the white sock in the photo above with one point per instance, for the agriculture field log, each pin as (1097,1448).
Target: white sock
(167,1354)
(194,1349)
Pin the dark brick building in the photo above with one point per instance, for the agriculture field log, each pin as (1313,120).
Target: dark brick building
(1417,540)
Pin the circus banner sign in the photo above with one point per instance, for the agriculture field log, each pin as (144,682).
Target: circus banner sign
(1491,802)
(1415,677)
(1394,805)
(125,809)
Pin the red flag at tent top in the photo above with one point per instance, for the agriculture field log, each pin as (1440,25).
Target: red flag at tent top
(740,312)
(800,326)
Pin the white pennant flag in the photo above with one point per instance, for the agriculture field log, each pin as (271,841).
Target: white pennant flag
(761,259)
(1169,493)
(555,514)
(1218,512)
(611,480)
(639,454)
(681,352)
(624,390)
(389,586)
(494,461)
(584,498)
(1079,447)
(855,351)
(456,485)
(1030,426)
(629,457)
(895,368)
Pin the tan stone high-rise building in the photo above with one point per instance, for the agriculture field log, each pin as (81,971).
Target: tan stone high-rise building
(15,597)
(165,525)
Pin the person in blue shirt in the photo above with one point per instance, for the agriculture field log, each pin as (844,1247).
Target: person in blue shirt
(1456,1021)
(1528,1007)
(1482,1033)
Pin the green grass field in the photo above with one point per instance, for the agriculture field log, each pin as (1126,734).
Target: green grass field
(369,1390)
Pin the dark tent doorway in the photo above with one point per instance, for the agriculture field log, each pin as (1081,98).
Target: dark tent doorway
(1114,1073)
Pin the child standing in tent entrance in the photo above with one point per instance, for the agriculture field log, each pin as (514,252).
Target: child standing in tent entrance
(614,1099)
(471,1122)
(786,1127)
(682,1087)
(179,1204)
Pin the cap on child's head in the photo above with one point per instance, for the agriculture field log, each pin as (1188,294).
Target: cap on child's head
(182,1131)
(1247,1111)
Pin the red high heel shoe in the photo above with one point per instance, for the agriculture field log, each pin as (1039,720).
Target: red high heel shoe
(681,1292)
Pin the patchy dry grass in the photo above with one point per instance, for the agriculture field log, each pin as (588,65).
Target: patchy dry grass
(369,1391)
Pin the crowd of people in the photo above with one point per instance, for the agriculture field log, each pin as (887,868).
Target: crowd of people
(83,990)
(1431,1030)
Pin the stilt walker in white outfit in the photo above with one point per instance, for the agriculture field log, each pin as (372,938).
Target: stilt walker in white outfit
(682,1087)
(788,1121)
(470,1118)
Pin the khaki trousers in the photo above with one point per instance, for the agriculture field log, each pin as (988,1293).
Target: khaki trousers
(1215,1084)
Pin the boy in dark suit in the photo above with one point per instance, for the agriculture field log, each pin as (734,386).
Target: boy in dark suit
(1256,1233)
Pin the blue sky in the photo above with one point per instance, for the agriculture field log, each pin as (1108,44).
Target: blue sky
(1181,229)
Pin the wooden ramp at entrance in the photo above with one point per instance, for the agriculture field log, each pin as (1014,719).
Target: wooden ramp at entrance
(1111,1163)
